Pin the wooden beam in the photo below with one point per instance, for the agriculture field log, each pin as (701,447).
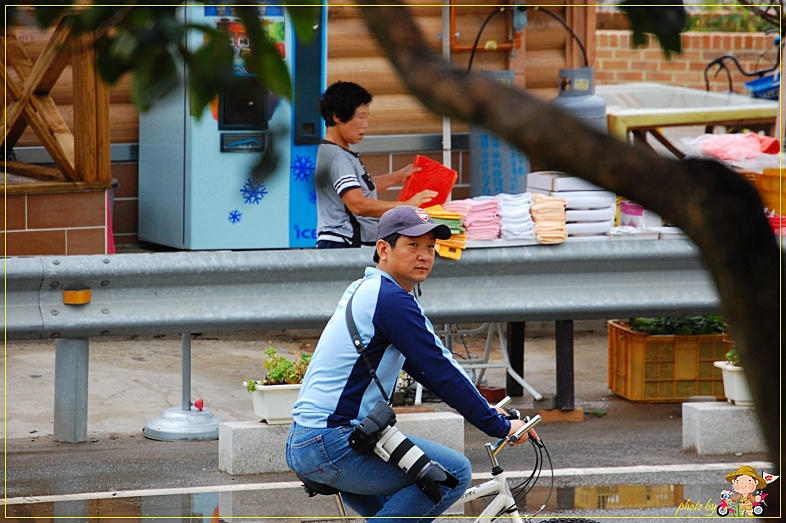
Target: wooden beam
(33,102)
(37,172)
(53,187)
(91,115)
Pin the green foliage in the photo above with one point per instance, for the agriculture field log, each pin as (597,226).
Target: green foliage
(713,16)
(281,370)
(679,325)
(732,356)
(595,412)
(147,42)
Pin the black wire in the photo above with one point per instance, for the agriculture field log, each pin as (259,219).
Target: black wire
(480,31)
(525,487)
(521,490)
(568,29)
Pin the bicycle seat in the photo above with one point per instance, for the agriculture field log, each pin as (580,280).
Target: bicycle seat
(313,488)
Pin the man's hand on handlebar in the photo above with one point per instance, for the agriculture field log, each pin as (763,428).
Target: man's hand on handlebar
(516,424)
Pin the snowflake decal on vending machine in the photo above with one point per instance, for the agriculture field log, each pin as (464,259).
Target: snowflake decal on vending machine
(312,197)
(302,168)
(234,216)
(253,193)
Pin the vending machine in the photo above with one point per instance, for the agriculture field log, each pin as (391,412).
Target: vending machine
(196,187)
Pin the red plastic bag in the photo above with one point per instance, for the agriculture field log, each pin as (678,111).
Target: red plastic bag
(737,147)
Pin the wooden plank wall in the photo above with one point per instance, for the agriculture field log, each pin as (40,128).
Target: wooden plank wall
(354,55)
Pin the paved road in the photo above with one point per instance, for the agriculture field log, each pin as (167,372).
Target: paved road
(624,459)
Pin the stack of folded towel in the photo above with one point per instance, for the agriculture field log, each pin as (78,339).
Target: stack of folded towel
(480,216)
(515,218)
(549,216)
(590,209)
(453,246)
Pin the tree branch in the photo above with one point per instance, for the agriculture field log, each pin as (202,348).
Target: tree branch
(714,206)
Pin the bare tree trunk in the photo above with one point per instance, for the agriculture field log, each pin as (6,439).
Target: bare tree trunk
(714,206)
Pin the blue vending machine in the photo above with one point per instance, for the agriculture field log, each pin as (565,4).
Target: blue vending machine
(196,190)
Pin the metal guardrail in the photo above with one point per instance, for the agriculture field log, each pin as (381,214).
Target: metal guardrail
(74,298)
(165,293)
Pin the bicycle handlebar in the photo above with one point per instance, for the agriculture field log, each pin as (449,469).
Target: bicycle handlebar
(529,424)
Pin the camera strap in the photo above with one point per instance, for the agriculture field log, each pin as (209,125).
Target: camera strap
(361,348)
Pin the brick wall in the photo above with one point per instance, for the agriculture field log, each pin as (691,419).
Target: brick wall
(56,223)
(616,62)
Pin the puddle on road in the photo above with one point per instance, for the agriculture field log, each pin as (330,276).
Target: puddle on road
(271,503)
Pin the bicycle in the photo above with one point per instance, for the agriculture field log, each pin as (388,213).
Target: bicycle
(765,86)
(504,505)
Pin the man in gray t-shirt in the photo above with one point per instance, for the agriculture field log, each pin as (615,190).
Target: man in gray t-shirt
(347,204)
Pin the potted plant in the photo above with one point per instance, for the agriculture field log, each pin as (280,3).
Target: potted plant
(735,383)
(274,396)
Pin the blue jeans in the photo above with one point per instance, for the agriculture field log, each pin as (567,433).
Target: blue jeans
(369,485)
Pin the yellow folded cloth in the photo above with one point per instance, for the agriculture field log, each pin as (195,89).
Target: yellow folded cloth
(437,211)
(549,217)
(458,241)
(447,251)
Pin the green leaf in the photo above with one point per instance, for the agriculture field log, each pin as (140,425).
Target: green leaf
(154,79)
(265,59)
(666,19)
(210,69)
(679,325)
(305,18)
(47,16)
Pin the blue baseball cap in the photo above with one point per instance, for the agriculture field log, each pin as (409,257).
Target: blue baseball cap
(410,221)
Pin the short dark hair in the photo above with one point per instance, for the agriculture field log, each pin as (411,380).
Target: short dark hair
(342,99)
(391,239)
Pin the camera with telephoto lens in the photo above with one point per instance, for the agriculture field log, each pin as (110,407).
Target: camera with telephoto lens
(395,447)
(377,432)
(365,435)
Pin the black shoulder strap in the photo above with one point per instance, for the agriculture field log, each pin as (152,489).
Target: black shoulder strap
(358,343)
(356,240)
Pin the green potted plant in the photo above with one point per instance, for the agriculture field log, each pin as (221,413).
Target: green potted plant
(735,383)
(275,395)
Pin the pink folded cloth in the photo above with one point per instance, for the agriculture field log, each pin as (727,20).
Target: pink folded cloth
(480,217)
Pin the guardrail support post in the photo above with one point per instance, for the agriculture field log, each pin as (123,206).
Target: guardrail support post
(516,330)
(564,341)
(71,376)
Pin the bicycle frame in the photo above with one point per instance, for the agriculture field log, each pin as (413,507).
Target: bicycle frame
(503,504)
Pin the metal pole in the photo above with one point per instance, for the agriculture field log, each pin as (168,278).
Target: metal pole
(71,376)
(184,422)
(186,371)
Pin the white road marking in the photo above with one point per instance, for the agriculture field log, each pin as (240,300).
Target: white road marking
(282,485)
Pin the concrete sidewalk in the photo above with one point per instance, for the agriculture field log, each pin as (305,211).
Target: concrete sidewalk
(133,379)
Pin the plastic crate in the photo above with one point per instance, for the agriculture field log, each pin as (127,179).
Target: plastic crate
(770,186)
(772,189)
(765,87)
(664,369)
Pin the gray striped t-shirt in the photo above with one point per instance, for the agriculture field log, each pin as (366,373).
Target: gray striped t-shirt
(339,170)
